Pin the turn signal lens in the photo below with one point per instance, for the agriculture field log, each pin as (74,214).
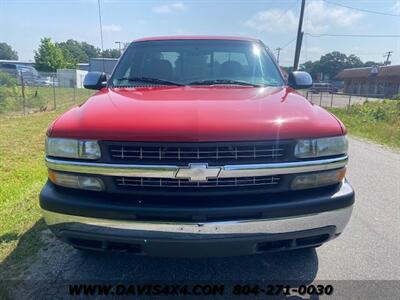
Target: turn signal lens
(76,181)
(315,180)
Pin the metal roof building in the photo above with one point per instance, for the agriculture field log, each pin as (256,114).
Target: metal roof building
(381,81)
(18,62)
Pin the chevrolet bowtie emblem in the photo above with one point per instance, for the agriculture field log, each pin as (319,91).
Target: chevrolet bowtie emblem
(198,172)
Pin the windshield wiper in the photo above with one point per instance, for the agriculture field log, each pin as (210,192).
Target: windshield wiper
(150,80)
(223,81)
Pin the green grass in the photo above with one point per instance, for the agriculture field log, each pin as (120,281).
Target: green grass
(22,175)
(377,121)
(64,96)
(40,99)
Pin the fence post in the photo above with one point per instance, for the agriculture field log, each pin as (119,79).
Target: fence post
(54,92)
(23,93)
(75,90)
(320,98)
(312,97)
(348,106)
(331,100)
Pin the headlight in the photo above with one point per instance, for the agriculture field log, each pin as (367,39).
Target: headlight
(76,181)
(314,180)
(321,147)
(70,148)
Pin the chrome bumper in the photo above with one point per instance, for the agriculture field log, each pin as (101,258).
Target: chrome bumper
(242,228)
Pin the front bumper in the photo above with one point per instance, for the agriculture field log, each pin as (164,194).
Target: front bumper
(310,221)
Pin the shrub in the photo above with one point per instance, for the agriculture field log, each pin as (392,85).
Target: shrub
(7,80)
(9,92)
(376,120)
(11,96)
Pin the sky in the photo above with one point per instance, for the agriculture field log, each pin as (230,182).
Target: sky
(24,22)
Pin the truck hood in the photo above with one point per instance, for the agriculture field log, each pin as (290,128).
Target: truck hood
(218,113)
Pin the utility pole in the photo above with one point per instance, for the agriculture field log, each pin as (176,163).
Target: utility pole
(387,55)
(101,35)
(299,37)
(119,46)
(277,56)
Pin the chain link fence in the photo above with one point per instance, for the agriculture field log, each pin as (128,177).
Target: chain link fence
(339,100)
(25,94)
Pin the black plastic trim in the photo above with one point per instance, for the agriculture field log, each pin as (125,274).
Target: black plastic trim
(229,207)
(251,244)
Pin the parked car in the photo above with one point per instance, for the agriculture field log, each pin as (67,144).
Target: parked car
(321,87)
(30,74)
(196,146)
(46,81)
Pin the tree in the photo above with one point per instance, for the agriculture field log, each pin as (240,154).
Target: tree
(78,52)
(372,63)
(73,51)
(330,64)
(110,53)
(353,61)
(311,67)
(49,57)
(6,52)
(90,50)
(287,69)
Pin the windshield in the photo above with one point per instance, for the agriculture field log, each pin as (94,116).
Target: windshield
(196,62)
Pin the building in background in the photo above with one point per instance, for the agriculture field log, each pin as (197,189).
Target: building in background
(83,66)
(376,81)
(29,63)
(102,65)
(70,78)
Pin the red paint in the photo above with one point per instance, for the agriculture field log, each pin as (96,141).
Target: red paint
(196,37)
(196,114)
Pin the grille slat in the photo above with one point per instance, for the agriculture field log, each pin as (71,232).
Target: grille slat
(234,153)
(178,183)
(125,156)
(193,152)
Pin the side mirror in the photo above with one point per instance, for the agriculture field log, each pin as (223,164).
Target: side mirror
(95,80)
(300,80)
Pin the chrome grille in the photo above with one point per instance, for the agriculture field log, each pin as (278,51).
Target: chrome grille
(184,183)
(229,153)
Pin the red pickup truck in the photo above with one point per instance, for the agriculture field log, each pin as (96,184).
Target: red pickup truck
(196,146)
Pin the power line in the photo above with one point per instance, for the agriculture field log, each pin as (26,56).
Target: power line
(284,10)
(287,9)
(352,35)
(288,43)
(361,9)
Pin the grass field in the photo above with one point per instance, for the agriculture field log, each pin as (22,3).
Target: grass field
(377,121)
(22,174)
